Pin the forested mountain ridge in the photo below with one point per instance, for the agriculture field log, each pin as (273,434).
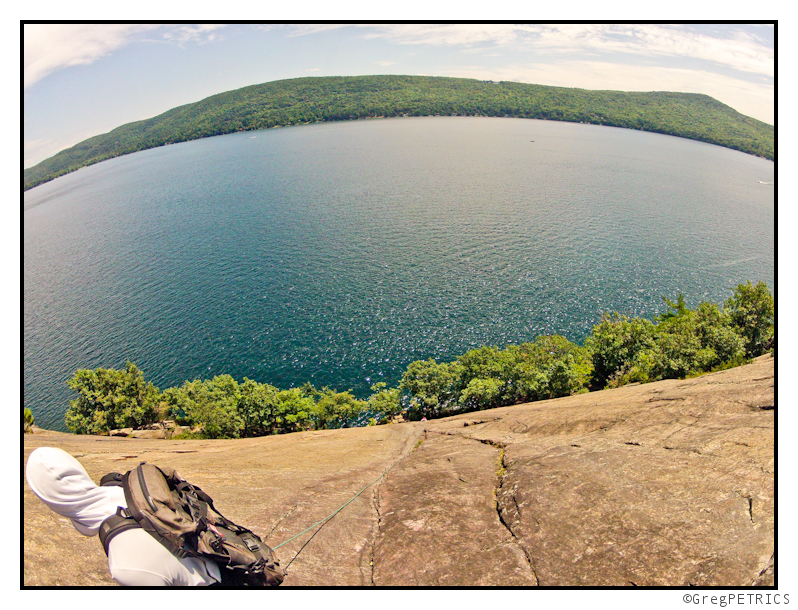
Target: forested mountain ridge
(316,99)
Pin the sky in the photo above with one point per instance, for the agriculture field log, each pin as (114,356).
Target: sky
(82,80)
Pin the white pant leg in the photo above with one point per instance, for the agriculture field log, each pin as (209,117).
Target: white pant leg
(136,559)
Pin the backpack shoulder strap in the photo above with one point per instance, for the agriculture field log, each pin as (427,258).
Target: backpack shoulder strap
(112,479)
(115,524)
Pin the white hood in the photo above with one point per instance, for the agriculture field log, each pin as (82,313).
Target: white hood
(62,483)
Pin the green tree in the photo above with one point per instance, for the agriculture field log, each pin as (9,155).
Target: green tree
(481,393)
(27,420)
(434,387)
(384,402)
(715,331)
(684,342)
(336,409)
(257,408)
(752,310)
(485,363)
(211,404)
(679,307)
(109,399)
(489,363)
(677,349)
(294,411)
(549,367)
(614,343)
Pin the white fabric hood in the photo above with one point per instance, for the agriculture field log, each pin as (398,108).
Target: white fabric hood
(62,483)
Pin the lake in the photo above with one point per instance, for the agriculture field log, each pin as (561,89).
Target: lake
(338,253)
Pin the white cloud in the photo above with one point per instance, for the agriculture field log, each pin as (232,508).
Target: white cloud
(51,47)
(735,48)
(739,50)
(385,63)
(305,29)
(200,34)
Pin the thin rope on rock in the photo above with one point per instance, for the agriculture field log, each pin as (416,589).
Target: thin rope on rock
(329,517)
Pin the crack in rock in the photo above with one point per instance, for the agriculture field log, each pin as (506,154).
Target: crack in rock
(281,519)
(376,499)
(500,510)
(765,574)
(750,499)
(478,422)
(666,399)
(501,447)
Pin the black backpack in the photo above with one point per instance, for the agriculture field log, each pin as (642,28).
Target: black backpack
(183,518)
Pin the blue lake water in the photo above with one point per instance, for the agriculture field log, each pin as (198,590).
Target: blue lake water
(338,253)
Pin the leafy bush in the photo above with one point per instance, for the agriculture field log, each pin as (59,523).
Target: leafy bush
(257,408)
(27,420)
(211,404)
(614,344)
(294,411)
(433,387)
(336,409)
(481,393)
(716,332)
(109,399)
(752,310)
(684,342)
(385,403)
(488,377)
(550,367)
(692,341)
(486,363)
(639,370)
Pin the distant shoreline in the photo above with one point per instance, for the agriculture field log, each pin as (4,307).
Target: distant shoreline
(326,99)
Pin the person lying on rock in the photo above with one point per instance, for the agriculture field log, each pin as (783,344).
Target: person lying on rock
(135,557)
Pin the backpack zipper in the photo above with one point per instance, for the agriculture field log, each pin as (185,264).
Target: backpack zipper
(146,491)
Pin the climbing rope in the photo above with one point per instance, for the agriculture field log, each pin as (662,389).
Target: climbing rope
(329,517)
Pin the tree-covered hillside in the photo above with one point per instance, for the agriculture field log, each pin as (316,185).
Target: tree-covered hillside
(310,100)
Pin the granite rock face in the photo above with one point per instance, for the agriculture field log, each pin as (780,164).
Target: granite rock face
(666,484)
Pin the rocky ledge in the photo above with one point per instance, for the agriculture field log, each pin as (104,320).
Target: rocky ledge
(669,483)
(166,430)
